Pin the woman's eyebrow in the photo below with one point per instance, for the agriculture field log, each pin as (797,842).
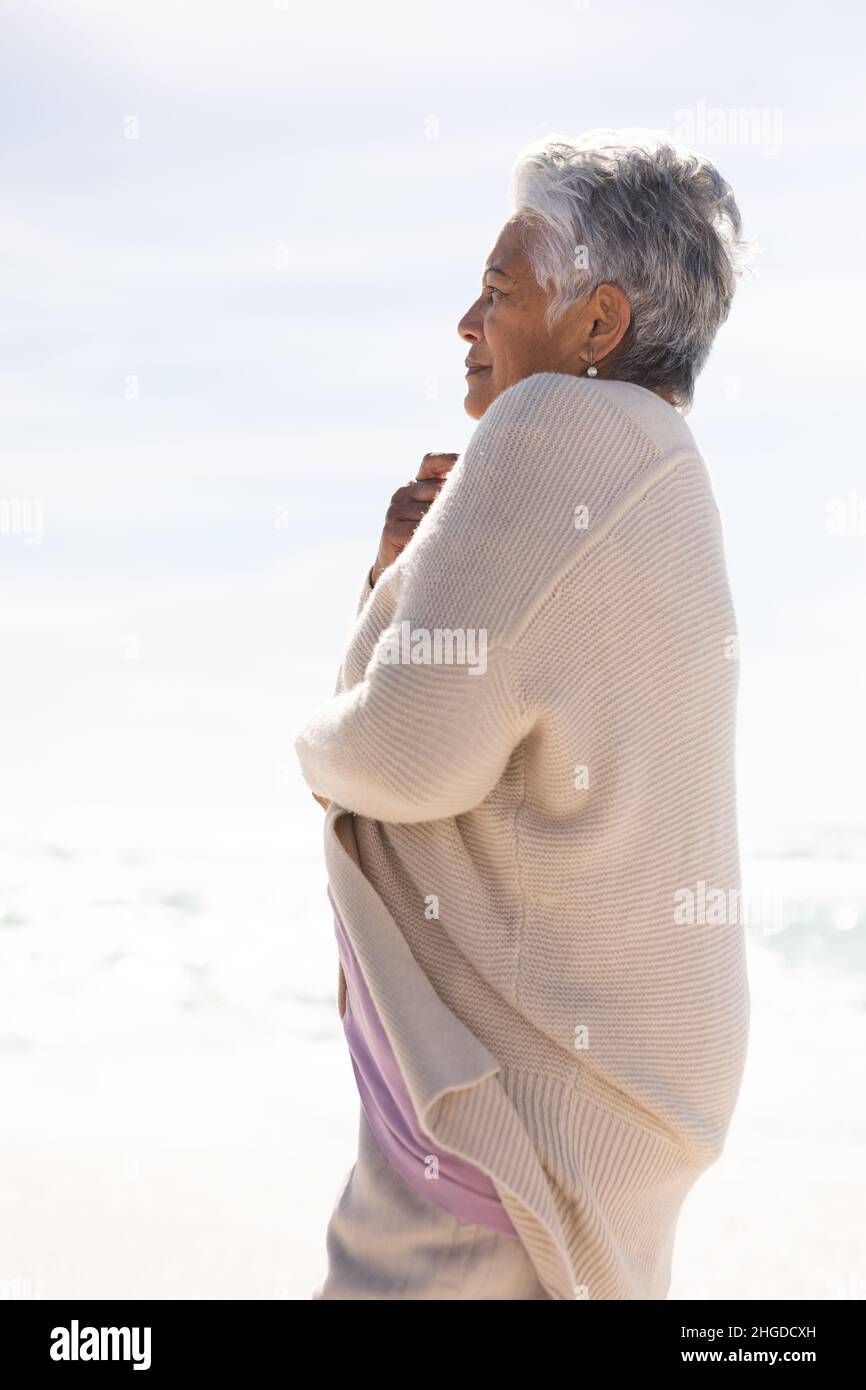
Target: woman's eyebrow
(496,270)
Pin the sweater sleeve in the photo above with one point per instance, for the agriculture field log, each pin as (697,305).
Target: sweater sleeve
(365,592)
(413,743)
(425,716)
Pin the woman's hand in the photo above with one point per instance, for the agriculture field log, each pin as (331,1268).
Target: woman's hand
(408,506)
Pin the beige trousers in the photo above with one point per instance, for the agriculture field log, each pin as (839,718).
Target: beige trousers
(385,1241)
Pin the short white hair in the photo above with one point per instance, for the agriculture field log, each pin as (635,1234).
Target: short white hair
(639,211)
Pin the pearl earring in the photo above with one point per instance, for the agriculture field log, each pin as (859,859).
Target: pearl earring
(591,370)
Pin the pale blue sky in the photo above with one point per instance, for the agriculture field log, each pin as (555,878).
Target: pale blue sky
(279,261)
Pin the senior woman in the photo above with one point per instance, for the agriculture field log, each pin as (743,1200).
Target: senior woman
(528,769)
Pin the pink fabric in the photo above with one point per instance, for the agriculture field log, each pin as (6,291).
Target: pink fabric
(461,1188)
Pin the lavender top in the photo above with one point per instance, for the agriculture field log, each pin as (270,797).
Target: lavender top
(461,1188)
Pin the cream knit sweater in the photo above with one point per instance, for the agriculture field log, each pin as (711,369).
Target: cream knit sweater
(537,859)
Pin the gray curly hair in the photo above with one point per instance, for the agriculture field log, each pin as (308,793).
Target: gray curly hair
(635,209)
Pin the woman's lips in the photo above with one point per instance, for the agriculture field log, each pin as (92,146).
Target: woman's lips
(472,371)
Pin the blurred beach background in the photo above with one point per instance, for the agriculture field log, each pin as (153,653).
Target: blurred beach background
(236,243)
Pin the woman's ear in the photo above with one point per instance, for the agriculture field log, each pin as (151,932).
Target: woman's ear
(611,314)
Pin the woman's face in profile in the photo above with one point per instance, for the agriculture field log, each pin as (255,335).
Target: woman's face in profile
(505,330)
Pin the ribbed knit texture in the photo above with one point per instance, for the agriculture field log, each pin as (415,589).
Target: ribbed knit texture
(556,1023)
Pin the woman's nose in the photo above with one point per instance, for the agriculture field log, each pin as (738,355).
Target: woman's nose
(469,327)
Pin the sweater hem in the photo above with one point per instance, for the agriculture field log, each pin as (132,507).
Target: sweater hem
(593,1196)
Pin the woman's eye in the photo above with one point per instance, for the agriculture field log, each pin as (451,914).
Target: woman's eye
(493,291)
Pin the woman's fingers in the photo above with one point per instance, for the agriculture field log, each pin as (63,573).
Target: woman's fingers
(436,465)
(408,506)
(417,491)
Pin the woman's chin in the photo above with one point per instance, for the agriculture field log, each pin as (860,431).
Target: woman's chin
(478,394)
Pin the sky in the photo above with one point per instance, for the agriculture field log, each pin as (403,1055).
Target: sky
(237,239)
